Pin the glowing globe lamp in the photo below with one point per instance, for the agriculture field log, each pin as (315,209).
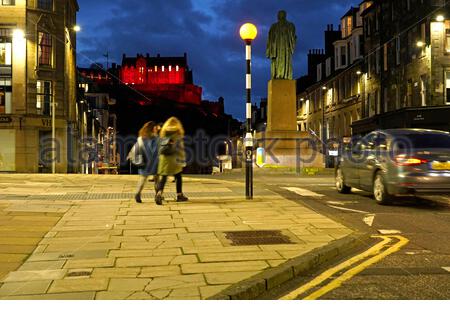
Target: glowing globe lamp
(248,32)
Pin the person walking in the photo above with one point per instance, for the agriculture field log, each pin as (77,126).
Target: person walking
(172,158)
(147,145)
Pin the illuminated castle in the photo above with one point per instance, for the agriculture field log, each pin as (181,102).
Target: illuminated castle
(164,77)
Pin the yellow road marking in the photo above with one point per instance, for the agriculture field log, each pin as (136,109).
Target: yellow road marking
(344,265)
(359,268)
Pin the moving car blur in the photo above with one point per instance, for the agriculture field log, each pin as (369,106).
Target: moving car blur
(396,162)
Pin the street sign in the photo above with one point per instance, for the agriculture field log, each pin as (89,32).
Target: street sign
(333,153)
(260,157)
(4,119)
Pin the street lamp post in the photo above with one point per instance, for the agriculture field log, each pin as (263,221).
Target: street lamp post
(54,154)
(324,128)
(248,33)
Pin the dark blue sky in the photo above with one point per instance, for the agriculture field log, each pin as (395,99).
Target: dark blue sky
(208,30)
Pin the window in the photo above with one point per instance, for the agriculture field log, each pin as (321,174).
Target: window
(385,51)
(319,72)
(343,56)
(377,61)
(397,50)
(5,97)
(447,87)
(336,59)
(423,90)
(8,2)
(5,52)
(45,49)
(328,67)
(447,40)
(44,97)
(45,4)
(409,93)
(5,71)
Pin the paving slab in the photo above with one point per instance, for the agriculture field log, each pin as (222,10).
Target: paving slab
(55,245)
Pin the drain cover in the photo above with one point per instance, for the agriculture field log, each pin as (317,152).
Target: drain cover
(79,274)
(260,237)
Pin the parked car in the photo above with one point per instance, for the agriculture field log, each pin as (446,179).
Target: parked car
(396,162)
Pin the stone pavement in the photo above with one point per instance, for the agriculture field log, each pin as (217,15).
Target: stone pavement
(84,237)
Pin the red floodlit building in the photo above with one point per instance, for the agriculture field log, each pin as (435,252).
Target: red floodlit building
(164,77)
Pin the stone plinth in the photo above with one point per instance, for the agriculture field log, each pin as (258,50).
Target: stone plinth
(284,144)
(291,149)
(282,106)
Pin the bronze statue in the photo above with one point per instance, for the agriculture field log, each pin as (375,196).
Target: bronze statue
(281,46)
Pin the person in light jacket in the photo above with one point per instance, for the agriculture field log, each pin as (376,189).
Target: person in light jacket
(172,158)
(149,135)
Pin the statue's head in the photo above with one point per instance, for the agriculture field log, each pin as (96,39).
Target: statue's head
(282,15)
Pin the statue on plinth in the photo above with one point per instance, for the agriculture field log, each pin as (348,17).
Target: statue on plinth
(281,47)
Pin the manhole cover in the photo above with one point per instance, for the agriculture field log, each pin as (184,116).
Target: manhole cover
(260,237)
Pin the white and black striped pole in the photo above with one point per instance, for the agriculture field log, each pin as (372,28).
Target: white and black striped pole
(248,33)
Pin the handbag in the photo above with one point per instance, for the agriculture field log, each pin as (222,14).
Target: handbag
(136,154)
(167,147)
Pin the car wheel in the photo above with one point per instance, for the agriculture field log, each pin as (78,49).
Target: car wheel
(380,192)
(340,182)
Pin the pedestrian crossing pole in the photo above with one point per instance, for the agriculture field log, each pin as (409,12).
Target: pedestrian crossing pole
(248,33)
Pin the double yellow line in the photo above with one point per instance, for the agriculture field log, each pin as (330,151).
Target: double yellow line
(374,255)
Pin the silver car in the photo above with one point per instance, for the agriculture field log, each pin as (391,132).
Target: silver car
(396,162)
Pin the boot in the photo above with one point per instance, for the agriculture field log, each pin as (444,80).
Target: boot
(138,198)
(182,198)
(158,199)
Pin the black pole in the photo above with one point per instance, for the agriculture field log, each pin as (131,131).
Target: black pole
(249,137)
(324,129)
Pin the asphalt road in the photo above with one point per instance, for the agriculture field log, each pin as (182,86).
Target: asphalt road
(420,270)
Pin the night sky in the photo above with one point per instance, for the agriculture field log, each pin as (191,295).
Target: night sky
(208,30)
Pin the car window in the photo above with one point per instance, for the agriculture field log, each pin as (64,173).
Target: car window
(423,141)
(380,141)
(370,141)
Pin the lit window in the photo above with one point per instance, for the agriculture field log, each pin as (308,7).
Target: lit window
(177,68)
(5,52)
(156,68)
(163,68)
(45,49)
(447,40)
(5,95)
(8,2)
(44,97)
(170,68)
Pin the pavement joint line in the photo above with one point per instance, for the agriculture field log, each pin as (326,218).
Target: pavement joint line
(331,272)
(336,283)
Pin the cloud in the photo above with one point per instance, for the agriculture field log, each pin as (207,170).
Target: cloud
(208,31)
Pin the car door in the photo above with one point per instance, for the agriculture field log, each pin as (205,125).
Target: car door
(368,162)
(353,157)
(375,158)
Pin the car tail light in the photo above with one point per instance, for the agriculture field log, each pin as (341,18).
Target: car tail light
(405,161)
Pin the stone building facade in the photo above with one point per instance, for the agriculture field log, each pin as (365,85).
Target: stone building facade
(37,75)
(391,63)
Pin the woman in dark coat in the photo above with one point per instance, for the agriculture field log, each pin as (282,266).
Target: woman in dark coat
(172,158)
(149,136)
